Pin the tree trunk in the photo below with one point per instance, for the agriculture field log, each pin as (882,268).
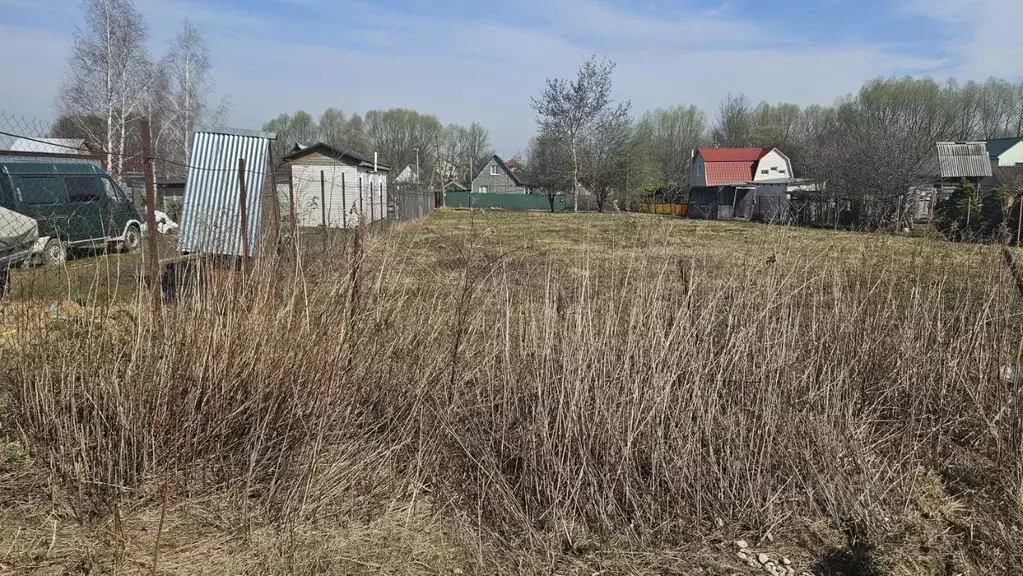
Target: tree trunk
(109,95)
(187,127)
(575,176)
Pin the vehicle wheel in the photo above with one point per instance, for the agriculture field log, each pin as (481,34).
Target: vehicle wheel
(54,253)
(132,239)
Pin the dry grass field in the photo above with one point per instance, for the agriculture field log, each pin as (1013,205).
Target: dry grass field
(489,392)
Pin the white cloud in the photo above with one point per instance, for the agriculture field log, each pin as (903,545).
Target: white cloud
(477,67)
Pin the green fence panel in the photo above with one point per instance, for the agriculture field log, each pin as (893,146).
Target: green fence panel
(506,201)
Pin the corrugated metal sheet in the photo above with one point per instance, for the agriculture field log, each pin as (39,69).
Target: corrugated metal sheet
(721,173)
(963,160)
(210,213)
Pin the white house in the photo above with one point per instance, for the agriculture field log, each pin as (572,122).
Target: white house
(726,166)
(1005,151)
(337,186)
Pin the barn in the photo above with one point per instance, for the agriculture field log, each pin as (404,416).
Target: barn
(335,187)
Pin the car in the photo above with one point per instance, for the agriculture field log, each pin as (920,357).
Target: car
(76,205)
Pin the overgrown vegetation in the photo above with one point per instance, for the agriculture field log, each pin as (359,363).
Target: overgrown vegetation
(965,217)
(533,393)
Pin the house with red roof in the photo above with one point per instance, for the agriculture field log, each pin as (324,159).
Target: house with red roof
(731,166)
(743,183)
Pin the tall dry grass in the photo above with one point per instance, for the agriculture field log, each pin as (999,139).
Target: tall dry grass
(536,397)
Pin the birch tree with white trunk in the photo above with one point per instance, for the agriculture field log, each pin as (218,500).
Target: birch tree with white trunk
(109,75)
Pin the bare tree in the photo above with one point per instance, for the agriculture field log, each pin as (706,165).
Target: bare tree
(574,110)
(332,128)
(550,166)
(668,138)
(606,156)
(109,75)
(476,149)
(734,125)
(189,63)
(401,136)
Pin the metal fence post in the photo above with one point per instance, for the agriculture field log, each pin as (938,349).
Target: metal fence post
(154,252)
(344,202)
(323,207)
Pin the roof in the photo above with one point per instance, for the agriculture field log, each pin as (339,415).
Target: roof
(999,146)
(963,160)
(732,154)
(53,167)
(48,145)
(730,165)
(300,151)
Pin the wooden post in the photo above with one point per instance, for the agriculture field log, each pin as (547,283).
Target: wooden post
(323,207)
(243,207)
(154,252)
(1019,219)
(291,203)
(360,201)
(371,201)
(344,204)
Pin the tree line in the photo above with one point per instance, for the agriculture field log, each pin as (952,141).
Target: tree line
(401,137)
(112,82)
(869,148)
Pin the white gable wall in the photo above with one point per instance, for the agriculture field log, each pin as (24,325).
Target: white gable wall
(775,164)
(1012,156)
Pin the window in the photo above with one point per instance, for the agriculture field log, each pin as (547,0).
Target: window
(493,170)
(782,171)
(763,171)
(113,191)
(82,189)
(41,190)
(774,168)
(483,189)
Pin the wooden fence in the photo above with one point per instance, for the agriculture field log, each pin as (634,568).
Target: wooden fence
(673,209)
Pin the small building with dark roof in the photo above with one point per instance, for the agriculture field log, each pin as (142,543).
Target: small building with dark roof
(336,187)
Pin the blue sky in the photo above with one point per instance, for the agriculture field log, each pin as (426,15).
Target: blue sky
(465,61)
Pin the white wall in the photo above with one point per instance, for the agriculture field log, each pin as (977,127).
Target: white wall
(341,204)
(776,165)
(1012,156)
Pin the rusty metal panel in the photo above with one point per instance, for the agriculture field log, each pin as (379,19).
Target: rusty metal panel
(210,211)
(963,160)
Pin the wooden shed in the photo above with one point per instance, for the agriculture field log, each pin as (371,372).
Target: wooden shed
(336,187)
